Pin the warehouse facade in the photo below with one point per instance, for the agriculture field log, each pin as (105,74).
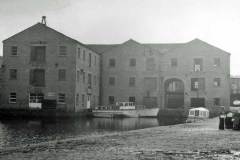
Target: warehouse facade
(43,68)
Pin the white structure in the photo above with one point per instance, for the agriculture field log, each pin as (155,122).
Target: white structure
(197,113)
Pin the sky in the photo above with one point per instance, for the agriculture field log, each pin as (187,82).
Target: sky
(147,21)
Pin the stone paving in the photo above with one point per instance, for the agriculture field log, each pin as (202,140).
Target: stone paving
(200,140)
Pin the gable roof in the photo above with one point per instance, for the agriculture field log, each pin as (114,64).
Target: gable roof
(40,25)
(160,47)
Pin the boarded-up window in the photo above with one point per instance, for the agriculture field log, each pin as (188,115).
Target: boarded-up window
(95,60)
(132,81)
(89,80)
(90,59)
(37,77)
(150,64)
(112,62)
(83,100)
(95,80)
(62,50)
(197,84)
(77,99)
(61,98)
(216,101)
(79,53)
(13,74)
(84,55)
(174,62)
(61,74)
(13,97)
(150,83)
(14,50)
(132,62)
(111,81)
(38,54)
(78,76)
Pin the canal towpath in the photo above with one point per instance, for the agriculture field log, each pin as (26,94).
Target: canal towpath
(202,140)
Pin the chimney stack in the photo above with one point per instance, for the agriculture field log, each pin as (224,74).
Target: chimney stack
(44,21)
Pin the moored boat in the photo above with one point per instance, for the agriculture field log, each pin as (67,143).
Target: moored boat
(125,109)
(196,114)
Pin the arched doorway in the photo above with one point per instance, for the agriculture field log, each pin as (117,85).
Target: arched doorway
(174,93)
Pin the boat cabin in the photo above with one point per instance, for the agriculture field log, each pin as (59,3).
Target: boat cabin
(126,105)
(199,112)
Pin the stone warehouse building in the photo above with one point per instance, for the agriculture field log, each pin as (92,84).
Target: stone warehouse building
(165,75)
(44,68)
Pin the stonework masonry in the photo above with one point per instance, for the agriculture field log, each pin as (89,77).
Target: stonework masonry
(43,65)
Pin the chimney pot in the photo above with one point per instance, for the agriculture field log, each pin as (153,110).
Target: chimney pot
(44,21)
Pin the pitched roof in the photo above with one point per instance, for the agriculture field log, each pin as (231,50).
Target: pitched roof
(45,26)
(160,47)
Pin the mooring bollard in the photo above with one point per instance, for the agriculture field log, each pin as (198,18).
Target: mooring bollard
(221,121)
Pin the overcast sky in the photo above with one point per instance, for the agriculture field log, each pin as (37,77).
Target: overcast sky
(115,21)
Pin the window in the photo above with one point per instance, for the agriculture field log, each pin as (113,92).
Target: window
(37,77)
(78,76)
(13,97)
(14,50)
(217,82)
(132,62)
(112,62)
(36,97)
(174,62)
(83,75)
(90,59)
(132,81)
(111,81)
(217,62)
(132,99)
(38,54)
(62,50)
(77,99)
(95,60)
(111,100)
(197,84)
(198,64)
(83,100)
(61,98)
(95,80)
(61,74)
(13,74)
(150,64)
(89,80)
(217,101)
(84,55)
(79,53)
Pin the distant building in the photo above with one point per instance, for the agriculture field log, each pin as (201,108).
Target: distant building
(183,75)
(235,91)
(45,68)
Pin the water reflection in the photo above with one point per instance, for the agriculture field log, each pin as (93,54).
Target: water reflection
(23,132)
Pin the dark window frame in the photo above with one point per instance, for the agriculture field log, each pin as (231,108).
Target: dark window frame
(14,50)
(132,62)
(62,75)
(12,74)
(112,62)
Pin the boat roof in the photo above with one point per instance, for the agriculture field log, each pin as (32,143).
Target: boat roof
(200,109)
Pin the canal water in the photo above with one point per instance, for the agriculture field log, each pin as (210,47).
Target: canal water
(18,132)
